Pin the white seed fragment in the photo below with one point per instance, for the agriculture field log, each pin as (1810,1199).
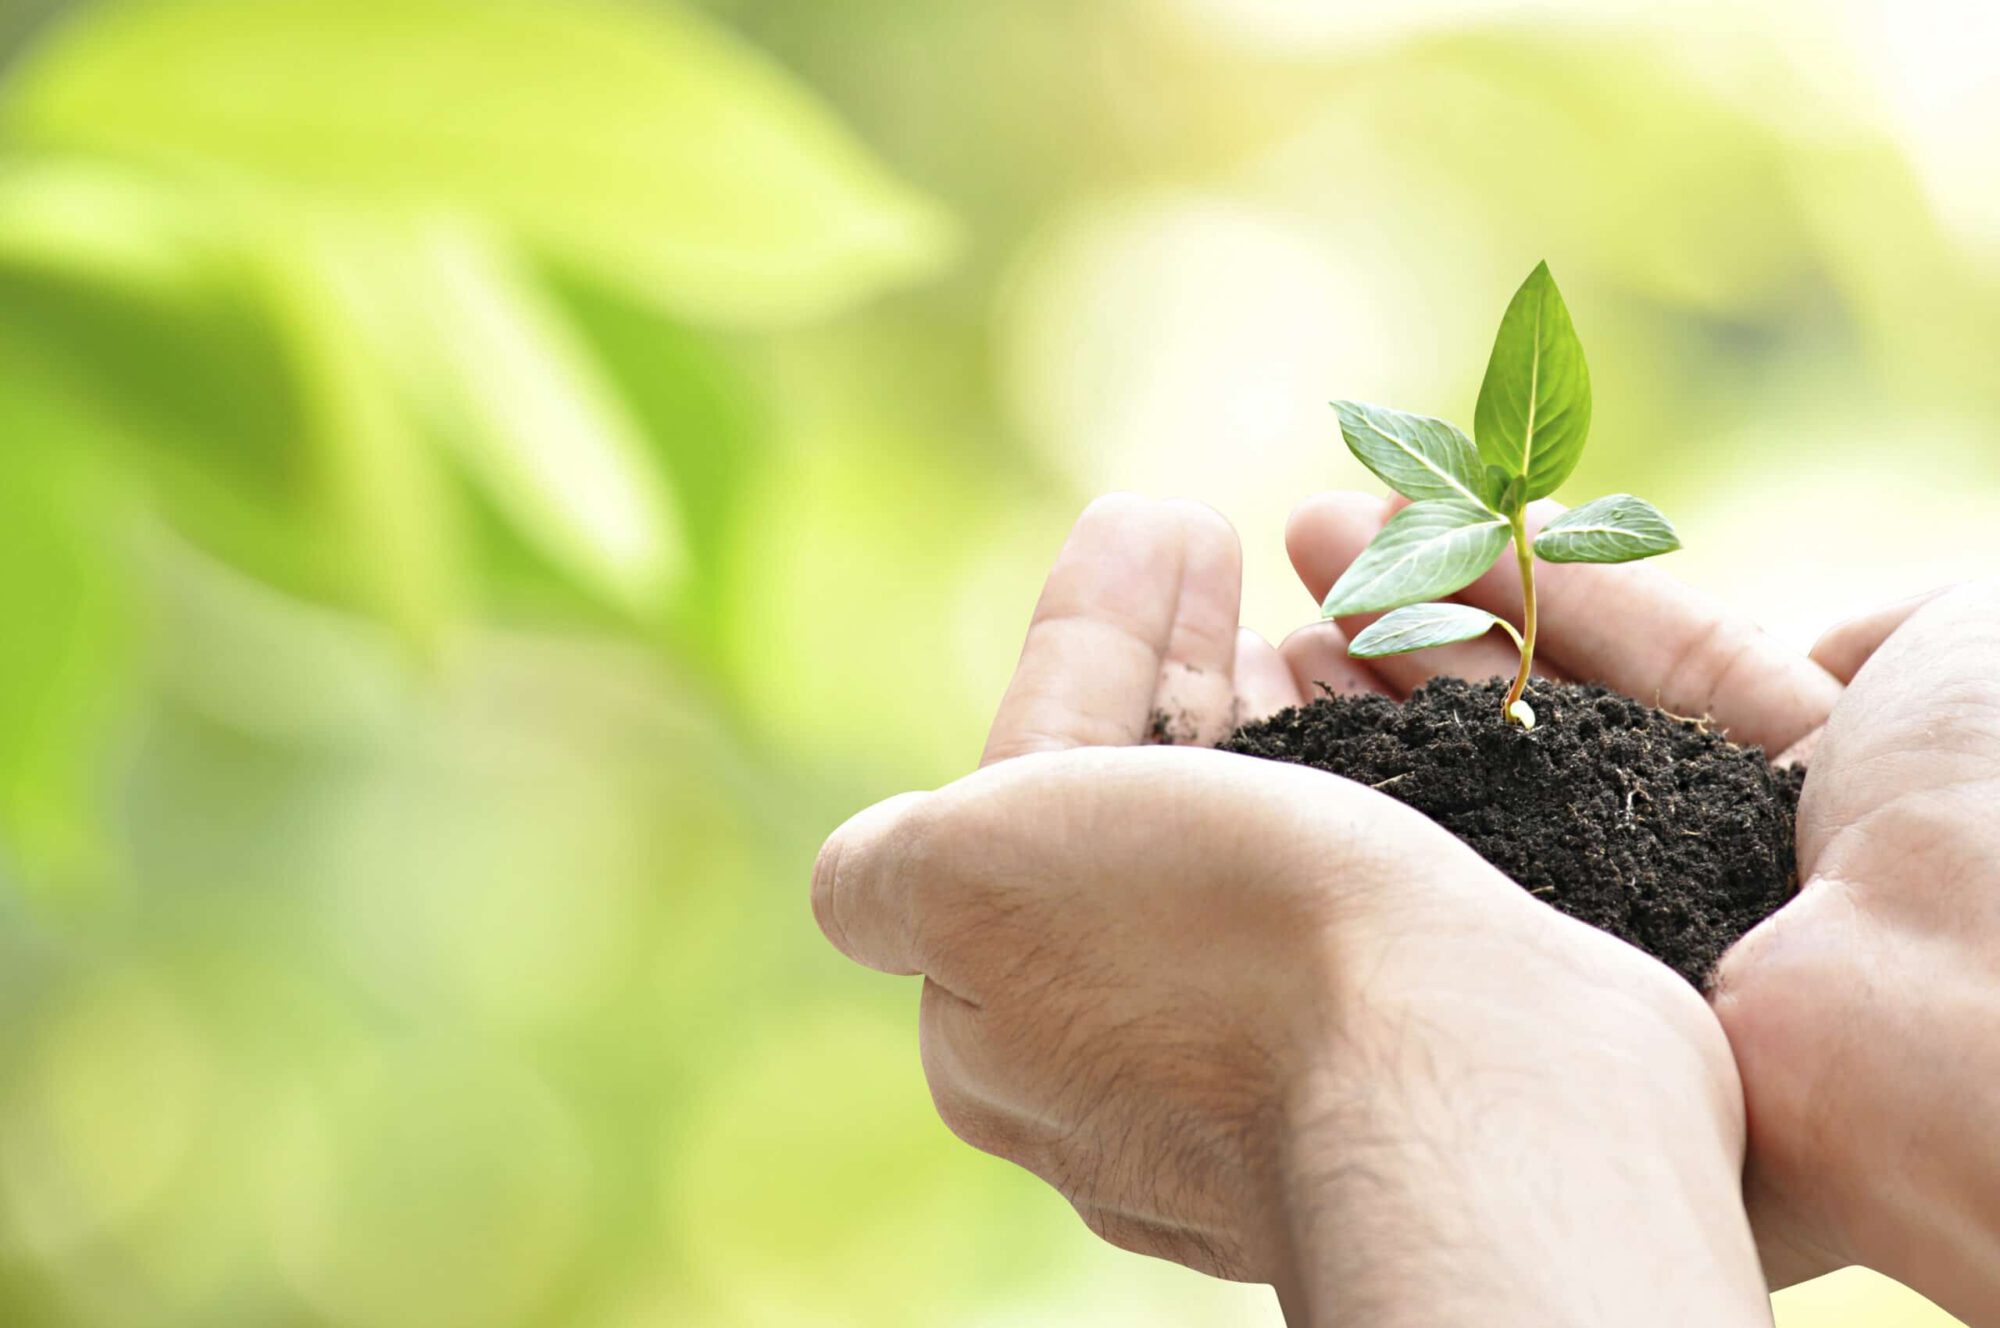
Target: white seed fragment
(1523,714)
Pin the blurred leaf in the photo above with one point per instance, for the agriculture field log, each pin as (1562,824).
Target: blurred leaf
(1534,407)
(99,225)
(124,295)
(148,309)
(1618,529)
(702,421)
(195,329)
(67,648)
(1428,549)
(1415,455)
(383,498)
(509,385)
(1420,627)
(643,141)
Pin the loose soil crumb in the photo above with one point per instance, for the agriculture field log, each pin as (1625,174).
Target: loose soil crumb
(1175,730)
(1650,826)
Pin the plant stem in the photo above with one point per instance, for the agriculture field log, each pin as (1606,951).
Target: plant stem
(1525,553)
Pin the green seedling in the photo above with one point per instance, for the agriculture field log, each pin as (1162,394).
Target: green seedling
(1469,499)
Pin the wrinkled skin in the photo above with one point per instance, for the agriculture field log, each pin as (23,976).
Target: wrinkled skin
(1269,1023)
(1298,1040)
(1866,1014)
(1265,974)
(1863,1015)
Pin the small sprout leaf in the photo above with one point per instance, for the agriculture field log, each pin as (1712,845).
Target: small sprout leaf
(1531,424)
(1422,626)
(1505,493)
(1427,550)
(1534,407)
(1618,529)
(1415,455)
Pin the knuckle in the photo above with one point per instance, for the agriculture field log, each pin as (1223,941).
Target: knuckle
(979,1124)
(1708,658)
(1202,1251)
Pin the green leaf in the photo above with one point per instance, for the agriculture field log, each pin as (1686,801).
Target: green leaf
(1417,456)
(643,142)
(1534,407)
(1505,494)
(150,311)
(699,408)
(70,650)
(381,493)
(1422,626)
(492,362)
(1428,549)
(1618,529)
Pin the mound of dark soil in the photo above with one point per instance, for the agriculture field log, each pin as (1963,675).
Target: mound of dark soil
(1650,826)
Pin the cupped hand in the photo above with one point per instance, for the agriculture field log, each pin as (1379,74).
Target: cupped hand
(1863,1013)
(1866,1013)
(1638,630)
(1220,1003)
(1277,1027)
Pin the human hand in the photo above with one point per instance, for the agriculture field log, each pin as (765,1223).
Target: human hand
(1856,1045)
(1287,991)
(1278,1027)
(1135,638)
(1864,1013)
(1638,630)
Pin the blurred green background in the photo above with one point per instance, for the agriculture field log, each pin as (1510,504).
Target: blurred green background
(485,484)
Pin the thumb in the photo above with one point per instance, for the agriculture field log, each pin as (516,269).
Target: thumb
(861,884)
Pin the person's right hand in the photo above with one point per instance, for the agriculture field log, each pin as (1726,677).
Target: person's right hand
(1863,1013)
(1866,1013)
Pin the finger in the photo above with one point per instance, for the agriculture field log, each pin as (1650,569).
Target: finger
(1631,627)
(1091,665)
(1317,658)
(1912,737)
(1803,751)
(1844,649)
(1328,532)
(1264,685)
(861,885)
(1194,699)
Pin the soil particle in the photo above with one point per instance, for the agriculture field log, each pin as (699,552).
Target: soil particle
(1174,730)
(1649,825)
